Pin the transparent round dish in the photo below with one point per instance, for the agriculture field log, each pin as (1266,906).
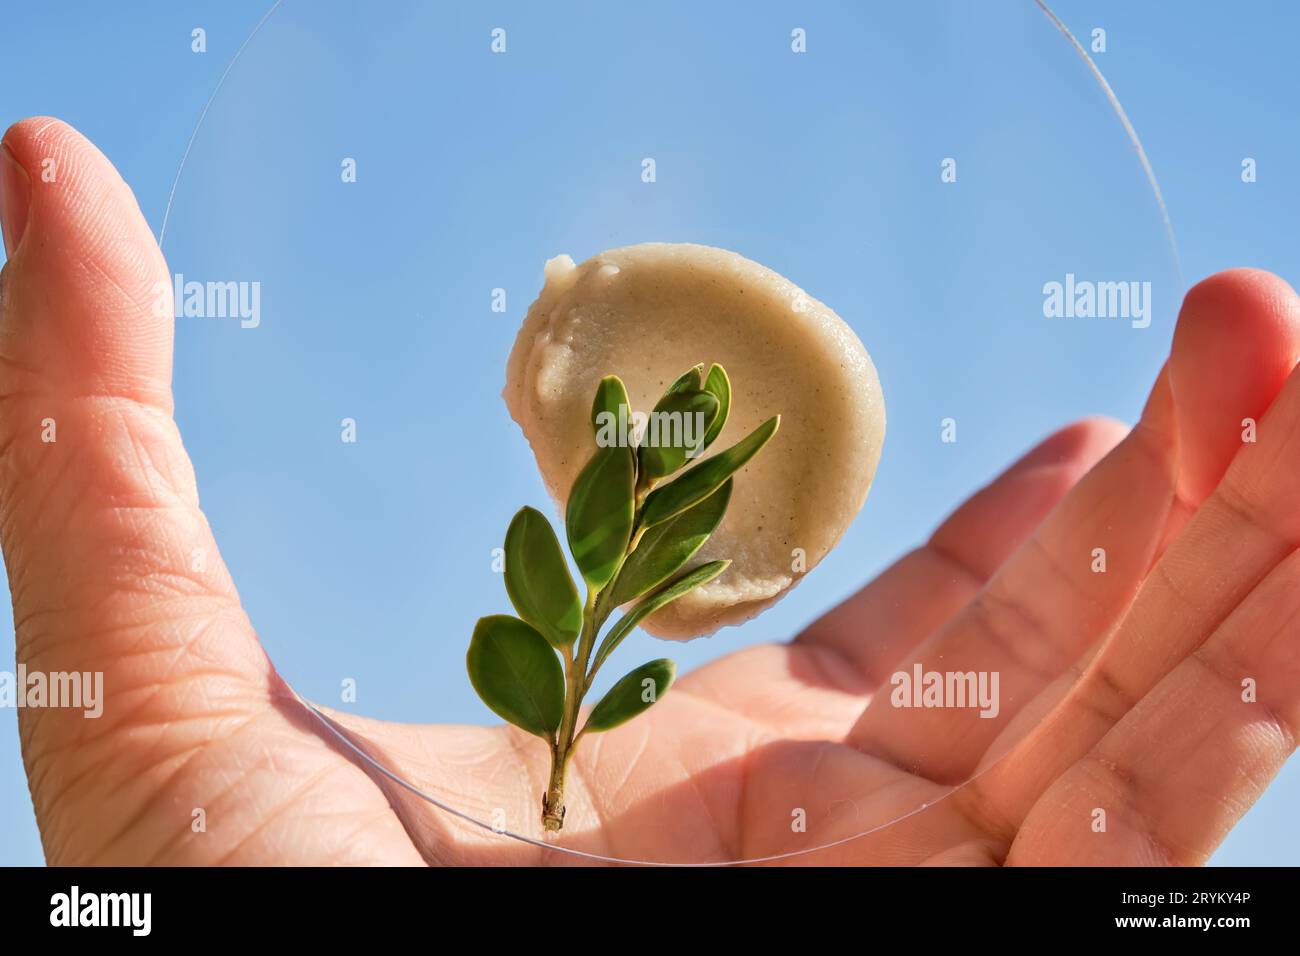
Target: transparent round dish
(391,183)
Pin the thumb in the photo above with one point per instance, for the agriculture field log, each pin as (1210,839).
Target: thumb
(112,567)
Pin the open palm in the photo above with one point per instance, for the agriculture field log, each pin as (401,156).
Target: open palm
(1159,696)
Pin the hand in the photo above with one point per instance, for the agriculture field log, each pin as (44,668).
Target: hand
(1119,690)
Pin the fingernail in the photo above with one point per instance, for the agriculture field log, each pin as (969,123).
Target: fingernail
(15,198)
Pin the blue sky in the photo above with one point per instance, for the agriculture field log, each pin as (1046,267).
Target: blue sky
(371,561)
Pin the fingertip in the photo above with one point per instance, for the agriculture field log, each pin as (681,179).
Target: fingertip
(1241,285)
(1080,444)
(1237,340)
(51,152)
(88,298)
(987,528)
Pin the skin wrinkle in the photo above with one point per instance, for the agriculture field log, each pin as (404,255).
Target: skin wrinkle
(156,486)
(702,799)
(1272,717)
(1081,598)
(841,679)
(983,615)
(964,570)
(355,833)
(643,739)
(910,783)
(818,758)
(182,501)
(898,762)
(1220,656)
(231,719)
(51,802)
(167,584)
(990,611)
(225,612)
(583,780)
(947,556)
(1101,694)
(9,364)
(92,424)
(90,204)
(148,807)
(132,722)
(143,572)
(533,782)
(1058,689)
(52,483)
(1238,487)
(83,745)
(97,768)
(1146,438)
(183,653)
(1081,692)
(311,783)
(129,302)
(230,784)
(756,737)
(1129,793)
(416,826)
(61,631)
(982,816)
(203,624)
(704,685)
(1256,774)
(876,670)
(1184,597)
(973,853)
(153,692)
(356,779)
(1240,506)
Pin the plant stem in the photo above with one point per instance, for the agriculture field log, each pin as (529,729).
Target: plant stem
(575,669)
(553,799)
(577,681)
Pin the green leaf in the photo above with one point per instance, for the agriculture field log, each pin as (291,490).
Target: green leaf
(703,479)
(666,547)
(611,394)
(598,519)
(677,417)
(517,674)
(666,595)
(538,580)
(688,381)
(719,386)
(635,692)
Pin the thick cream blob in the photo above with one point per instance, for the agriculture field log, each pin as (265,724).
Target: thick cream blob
(649,312)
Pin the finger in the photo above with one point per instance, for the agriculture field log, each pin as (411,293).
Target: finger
(1180,769)
(1033,619)
(113,570)
(1241,322)
(878,626)
(81,290)
(1066,588)
(1242,532)
(100,510)
(812,689)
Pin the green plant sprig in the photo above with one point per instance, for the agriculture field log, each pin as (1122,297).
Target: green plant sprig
(631,534)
